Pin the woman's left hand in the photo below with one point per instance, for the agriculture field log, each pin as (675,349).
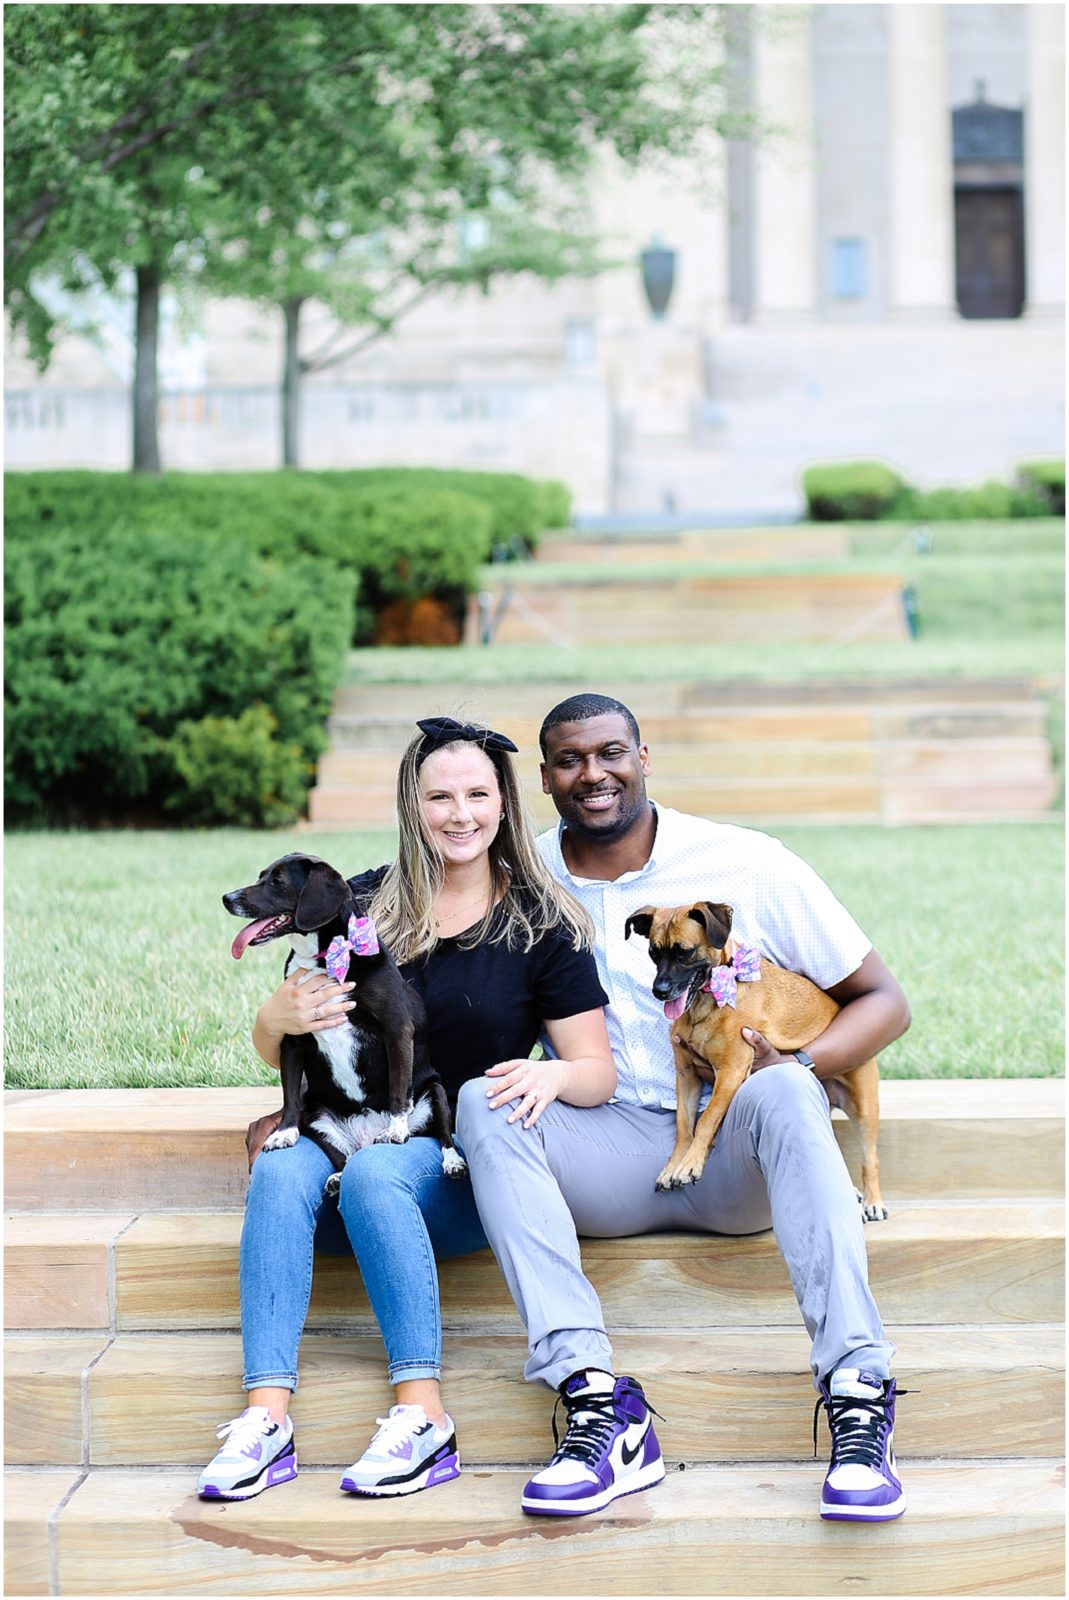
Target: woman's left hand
(535,1084)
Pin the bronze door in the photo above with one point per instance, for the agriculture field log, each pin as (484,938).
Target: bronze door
(989,251)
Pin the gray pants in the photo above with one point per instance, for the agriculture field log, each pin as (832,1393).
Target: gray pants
(591,1170)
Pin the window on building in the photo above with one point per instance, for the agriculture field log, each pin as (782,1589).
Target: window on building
(579,342)
(849,269)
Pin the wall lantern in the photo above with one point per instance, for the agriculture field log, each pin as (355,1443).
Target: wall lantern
(658,276)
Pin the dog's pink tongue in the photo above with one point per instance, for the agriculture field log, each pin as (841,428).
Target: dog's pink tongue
(675,1008)
(247,935)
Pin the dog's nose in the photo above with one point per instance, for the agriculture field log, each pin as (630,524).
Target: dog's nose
(662,987)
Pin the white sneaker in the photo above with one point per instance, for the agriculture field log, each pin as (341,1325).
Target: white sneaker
(407,1453)
(259,1452)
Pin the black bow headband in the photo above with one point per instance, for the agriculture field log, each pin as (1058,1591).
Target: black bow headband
(438,731)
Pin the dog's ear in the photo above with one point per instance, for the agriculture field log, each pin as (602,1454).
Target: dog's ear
(640,922)
(324,896)
(715,919)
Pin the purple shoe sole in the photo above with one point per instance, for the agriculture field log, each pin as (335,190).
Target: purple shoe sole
(441,1472)
(278,1472)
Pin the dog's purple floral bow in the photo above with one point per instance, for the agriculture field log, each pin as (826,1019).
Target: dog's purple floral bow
(362,941)
(744,967)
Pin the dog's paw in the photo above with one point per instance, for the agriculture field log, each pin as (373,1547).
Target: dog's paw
(282,1139)
(395,1132)
(453,1164)
(332,1185)
(874,1212)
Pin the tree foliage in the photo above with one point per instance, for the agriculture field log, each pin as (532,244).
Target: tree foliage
(288,151)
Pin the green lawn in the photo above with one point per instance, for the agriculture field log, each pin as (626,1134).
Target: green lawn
(131,983)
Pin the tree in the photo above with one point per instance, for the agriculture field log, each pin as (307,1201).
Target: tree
(291,151)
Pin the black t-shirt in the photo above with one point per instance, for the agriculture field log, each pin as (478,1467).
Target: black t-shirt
(487,1003)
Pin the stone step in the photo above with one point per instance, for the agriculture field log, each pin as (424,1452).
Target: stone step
(533,697)
(372,728)
(981,1261)
(735,545)
(724,1394)
(134,1149)
(975,791)
(972,1527)
(843,798)
(728,608)
(784,758)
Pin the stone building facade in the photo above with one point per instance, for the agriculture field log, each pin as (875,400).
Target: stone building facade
(881,274)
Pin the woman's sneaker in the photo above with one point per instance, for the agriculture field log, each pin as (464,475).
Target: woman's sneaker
(407,1453)
(258,1453)
(609,1448)
(862,1483)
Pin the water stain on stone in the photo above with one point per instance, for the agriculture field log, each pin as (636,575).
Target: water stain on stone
(208,1525)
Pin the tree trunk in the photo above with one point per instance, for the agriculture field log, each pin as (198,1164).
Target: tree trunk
(146,385)
(291,384)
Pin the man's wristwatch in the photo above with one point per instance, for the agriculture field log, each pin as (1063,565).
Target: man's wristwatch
(805,1058)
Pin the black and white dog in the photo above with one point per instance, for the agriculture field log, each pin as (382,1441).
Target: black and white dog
(369,1081)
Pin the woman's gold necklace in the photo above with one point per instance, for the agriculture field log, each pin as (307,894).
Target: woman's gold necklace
(465,905)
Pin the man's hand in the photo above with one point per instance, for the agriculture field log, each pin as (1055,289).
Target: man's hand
(765,1054)
(258,1131)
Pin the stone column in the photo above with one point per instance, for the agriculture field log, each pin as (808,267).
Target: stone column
(921,163)
(785,204)
(1044,171)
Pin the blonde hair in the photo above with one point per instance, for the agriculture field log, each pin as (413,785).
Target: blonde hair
(533,903)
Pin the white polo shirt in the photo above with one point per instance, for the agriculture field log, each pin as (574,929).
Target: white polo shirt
(780,904)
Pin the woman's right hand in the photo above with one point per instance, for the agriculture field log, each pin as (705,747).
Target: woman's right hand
(306,1003)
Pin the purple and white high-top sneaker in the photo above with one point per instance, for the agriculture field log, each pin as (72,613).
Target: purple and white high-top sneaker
(609,1448)
(407,1453)
(861,1485)
(258,1453)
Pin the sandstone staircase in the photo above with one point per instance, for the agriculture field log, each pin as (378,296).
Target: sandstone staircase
(891,750)
(123,1355)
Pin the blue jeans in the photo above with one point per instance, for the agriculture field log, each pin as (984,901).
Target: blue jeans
(396,1212)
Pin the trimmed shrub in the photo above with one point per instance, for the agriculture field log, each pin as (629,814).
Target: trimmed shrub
(850,491)
(865,491)
(235,770)
(1047,478)
(407,533)
(520,508)
(990,501)
(115,639)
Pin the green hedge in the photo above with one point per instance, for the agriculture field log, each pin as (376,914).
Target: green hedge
(850,491)
(521,509)
(1048,479)
(862,491)
(405,532)
(140,664)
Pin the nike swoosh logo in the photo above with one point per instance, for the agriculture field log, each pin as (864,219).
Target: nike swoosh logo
(629,1455)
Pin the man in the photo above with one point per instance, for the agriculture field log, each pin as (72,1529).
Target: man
(775,1163)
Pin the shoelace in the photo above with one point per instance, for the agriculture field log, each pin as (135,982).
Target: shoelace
(855,1440)
(394,1431)
(240,1432)
(591,1419)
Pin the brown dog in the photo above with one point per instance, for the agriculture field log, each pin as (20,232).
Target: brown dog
(686,944)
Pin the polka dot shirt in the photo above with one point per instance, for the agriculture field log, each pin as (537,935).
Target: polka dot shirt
(779,903)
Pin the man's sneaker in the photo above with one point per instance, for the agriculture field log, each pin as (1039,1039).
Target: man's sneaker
(861,1485)
(609,1448)
(407,1453)
(258,1453)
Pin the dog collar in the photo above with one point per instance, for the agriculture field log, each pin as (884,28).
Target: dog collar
(362,941)
(744,967)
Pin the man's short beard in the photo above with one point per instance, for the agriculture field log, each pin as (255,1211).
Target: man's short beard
(614,830)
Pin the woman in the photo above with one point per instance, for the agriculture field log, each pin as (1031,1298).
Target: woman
(500,954)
